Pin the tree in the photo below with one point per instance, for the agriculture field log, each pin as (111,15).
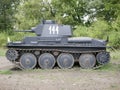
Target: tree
(110,10)
(7,10)
(72,12)
(31,12)
(76,12)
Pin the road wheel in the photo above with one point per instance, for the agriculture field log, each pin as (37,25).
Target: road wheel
(28,61)
(65,60)
(87,60)
(46,61)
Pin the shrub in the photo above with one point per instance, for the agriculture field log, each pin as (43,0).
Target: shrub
(81,31)
(3,39)
(115,39)
(100,30)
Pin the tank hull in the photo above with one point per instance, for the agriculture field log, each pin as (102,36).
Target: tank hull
(56,50)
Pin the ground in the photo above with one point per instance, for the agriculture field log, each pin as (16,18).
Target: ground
(11,78)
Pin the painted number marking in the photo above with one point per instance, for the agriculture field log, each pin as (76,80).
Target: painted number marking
(53,30)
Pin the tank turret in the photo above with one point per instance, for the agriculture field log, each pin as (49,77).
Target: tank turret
(49,28)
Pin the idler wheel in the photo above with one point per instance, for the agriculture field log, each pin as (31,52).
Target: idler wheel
(65,60)
(12,54)
(103,57)
(46,61)
(87,61)
(28,61)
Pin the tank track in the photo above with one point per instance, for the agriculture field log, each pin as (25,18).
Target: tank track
(17,64)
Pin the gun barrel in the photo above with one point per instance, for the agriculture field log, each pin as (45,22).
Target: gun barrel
(23,31)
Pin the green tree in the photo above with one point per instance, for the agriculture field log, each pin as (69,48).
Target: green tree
(66,12)
(111,10)
(31,12)
(7,10)
(70,12)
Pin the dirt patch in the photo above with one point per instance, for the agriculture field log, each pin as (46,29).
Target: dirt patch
(57,79)
(5,64)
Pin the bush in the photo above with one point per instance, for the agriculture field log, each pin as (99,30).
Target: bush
(81,31)
(100,30)
(115,39)
(14,36)
(3,39)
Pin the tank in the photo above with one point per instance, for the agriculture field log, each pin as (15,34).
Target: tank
(53,45)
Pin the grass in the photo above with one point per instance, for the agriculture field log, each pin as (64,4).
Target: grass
(115,55)
(7,72)
(110,67)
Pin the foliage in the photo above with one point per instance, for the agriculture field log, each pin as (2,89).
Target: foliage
(81,31)
(100,29)
(4,37)
(7,10)
(111,10)
(97,30)
(76,12)
(73,12)
(31,12)
(115,39)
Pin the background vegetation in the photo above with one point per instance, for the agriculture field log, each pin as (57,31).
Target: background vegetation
(94,18)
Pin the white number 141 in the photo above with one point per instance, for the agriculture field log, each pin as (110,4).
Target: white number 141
(53,30)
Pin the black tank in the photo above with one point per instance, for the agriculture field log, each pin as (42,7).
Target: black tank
(53,44)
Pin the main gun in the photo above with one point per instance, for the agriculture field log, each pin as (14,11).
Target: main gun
(24,31)
(37,30)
